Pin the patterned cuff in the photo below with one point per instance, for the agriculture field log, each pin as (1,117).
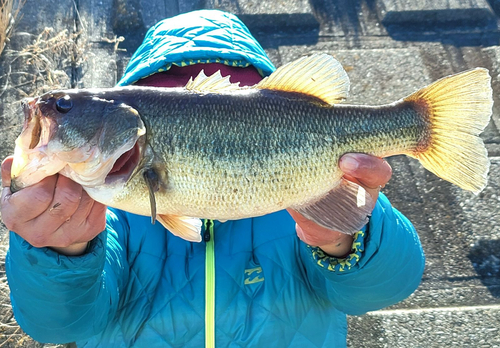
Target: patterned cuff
(340,265)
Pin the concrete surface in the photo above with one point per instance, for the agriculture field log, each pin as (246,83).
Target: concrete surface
(389,48)
(462,12)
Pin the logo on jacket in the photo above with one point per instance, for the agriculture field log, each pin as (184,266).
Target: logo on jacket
(253,275)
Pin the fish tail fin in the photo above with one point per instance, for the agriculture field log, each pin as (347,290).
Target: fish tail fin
(458,108)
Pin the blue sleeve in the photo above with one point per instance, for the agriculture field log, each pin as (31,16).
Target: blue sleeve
(385,267)
(60,299)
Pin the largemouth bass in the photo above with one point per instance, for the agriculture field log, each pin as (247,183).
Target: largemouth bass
(216,150)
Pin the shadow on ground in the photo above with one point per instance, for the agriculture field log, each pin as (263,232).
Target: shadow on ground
(485,257)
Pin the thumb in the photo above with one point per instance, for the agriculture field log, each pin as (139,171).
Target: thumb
(369,171)
(6,167)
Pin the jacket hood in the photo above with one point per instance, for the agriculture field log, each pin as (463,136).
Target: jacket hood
(205,36)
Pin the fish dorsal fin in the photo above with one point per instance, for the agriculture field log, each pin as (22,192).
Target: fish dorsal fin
(319,75)
(214,83)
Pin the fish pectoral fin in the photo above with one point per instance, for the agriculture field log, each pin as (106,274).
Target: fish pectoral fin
(346,208)
(319,75)
(214,83)
(182,226)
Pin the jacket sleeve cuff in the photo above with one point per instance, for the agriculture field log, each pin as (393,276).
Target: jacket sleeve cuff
(340,265)
(39,258)
(53,296)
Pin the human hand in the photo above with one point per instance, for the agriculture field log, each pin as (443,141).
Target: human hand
(55,213)
(371,173)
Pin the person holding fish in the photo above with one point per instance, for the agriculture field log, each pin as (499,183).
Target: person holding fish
(278,230)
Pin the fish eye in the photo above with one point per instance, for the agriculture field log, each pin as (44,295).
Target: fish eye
(64,104)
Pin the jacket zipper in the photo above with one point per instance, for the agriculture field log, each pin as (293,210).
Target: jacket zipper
(208,237)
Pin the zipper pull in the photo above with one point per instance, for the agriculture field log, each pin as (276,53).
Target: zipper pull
(206,235)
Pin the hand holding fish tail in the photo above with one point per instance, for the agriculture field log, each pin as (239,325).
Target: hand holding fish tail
(371,173)
(55,213)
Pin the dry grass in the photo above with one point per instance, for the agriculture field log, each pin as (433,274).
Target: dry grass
(9,11)
(10,333)
(50,62)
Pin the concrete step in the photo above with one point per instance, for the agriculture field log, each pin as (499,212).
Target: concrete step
(457,327)
(283,16)
(436,12)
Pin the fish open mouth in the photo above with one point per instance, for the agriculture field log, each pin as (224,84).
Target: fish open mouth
(124,165)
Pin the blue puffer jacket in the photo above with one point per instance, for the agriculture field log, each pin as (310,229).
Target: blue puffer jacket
(139,285)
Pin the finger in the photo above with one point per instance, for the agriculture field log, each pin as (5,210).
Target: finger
(73,224)
(96,220)
(313,239)
(65,202)
(83,211)
(310,232)
(369,171)
(6,168)
(61,204)
(21,208)
(88,221)
(302,221)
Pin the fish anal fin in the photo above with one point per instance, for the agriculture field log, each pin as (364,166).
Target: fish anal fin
(346,208)
(319,75)
(182,226)
(214,83)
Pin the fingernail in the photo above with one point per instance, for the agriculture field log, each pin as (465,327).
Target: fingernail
(349,163)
